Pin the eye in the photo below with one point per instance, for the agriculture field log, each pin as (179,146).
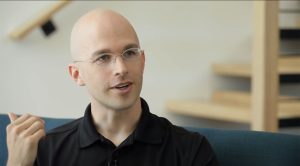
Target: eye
(131,53)
(103,58)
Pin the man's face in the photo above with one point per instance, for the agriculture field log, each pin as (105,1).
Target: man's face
(116,85)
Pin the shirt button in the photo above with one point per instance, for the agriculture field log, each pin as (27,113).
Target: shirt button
(113,163)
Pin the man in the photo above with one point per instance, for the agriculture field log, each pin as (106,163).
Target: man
(117,128)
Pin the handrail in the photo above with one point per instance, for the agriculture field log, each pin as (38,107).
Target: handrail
(24,29)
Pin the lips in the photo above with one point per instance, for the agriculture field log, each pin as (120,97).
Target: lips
(122,88)
(123,85)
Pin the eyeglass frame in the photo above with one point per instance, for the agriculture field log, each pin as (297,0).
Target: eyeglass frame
(113,55)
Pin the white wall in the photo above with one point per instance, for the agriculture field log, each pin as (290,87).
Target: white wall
(181,41)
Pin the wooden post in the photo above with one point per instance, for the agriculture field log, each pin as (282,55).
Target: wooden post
(265,82)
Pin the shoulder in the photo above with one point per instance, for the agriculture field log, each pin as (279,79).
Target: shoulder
(192,146)
(62,132)
(64,128)
(180,134)
(56,141)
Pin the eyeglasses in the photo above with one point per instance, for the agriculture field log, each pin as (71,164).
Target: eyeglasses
(105,59)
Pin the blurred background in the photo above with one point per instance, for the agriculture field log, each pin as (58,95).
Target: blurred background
(182,40)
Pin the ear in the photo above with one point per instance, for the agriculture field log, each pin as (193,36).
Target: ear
(75,74)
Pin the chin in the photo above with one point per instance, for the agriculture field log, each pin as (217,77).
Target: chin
(121,104)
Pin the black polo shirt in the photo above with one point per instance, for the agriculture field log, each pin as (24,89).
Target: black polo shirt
(155,142)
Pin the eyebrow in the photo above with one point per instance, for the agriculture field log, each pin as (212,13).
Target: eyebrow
(98,52)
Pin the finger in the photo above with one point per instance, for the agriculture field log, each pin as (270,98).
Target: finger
(28,122)
(38,135)
(21,119)
(37,125)
(12,116)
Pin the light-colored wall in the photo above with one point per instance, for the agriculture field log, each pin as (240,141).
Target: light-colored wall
(181,41)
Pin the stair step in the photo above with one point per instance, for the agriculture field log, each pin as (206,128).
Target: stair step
(287,65)
(231,106)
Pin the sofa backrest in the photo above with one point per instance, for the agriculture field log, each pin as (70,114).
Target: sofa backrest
(232,147)
(252,148)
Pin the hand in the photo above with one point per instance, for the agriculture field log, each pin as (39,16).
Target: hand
(23,135)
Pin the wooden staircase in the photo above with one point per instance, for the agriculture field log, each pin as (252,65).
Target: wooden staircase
(262,107)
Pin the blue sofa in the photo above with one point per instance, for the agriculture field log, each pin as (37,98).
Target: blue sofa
(233,147)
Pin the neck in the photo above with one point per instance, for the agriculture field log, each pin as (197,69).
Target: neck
(116,125)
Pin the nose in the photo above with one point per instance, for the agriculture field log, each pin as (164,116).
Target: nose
(120,67)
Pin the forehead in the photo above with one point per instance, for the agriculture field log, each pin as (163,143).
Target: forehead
(110,37)
(108,31)
(108,44)
(99,52)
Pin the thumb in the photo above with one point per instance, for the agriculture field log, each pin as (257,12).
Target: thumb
(12,116)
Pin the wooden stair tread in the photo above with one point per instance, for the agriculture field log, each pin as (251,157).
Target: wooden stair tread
(287,65)
(230,106)
(239,70)
(209,110)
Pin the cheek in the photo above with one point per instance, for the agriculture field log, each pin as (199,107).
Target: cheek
(141,68)
(137,72)
(100,78)
(96,79)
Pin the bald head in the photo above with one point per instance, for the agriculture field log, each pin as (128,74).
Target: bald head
(100,29)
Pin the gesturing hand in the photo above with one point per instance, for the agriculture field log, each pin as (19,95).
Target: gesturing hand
(23,135)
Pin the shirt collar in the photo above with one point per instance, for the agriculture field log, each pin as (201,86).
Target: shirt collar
(149,128)
(87,132)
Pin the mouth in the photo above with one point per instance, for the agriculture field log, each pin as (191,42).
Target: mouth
(123,87)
